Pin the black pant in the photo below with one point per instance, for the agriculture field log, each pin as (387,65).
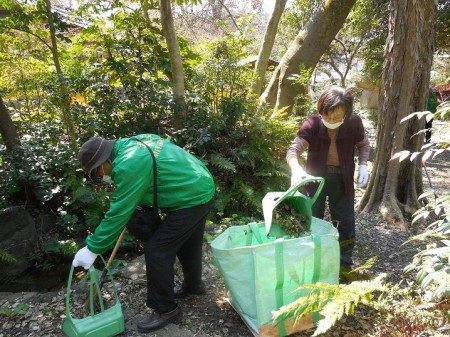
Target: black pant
(342,211)
(179,235)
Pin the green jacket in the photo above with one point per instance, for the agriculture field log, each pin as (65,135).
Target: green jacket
(183,182)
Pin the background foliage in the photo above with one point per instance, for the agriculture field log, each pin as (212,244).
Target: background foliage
(117,71)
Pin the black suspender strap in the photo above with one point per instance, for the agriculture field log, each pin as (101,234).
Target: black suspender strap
(155,187)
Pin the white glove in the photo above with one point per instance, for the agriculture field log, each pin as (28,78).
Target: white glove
(84,258)
(363,176)
(297,175)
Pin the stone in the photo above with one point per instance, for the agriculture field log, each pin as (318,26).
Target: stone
(18,236)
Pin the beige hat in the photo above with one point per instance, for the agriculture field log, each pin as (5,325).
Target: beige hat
(95,152)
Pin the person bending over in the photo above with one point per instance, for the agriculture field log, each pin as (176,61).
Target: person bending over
(185,193)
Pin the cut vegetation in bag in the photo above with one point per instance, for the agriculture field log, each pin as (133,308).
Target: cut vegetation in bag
(292,222)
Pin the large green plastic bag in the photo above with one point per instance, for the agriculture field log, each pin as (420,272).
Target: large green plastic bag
(263,272)
(260,278)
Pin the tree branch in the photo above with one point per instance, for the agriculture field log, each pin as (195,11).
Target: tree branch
(231,15)
(28,32)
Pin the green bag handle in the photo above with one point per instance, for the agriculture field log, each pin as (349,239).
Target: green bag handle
(93,282)
(280,277)
(306,180)
(255,231)
(280,281)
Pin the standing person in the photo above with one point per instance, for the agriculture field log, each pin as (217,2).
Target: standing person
(330,138)
(185,192)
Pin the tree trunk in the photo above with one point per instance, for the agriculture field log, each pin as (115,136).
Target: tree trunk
(63,90)
(176,64)
(404,88)
(266,48)
(304,53)
(7,128)
(216,8)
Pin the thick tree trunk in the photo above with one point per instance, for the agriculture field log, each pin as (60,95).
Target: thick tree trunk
(7,128)
(266,47)
(394,186)
(304,53)
(176,64)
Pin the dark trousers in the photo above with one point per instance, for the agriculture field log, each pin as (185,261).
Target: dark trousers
(342,211)
(179,235)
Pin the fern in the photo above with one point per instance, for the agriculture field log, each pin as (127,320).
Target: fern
(359,273)
(245,152)
(249,194)
(332,301)
(7,257)
(221,162)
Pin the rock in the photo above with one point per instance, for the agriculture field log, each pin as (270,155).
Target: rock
(18,236)
(45,222)
(135,270)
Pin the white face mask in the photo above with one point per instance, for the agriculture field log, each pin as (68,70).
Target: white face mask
(332,125)
(107,179)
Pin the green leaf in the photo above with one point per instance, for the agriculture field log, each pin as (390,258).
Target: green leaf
(21,309)
(427,280)
(220,161)
(5,311)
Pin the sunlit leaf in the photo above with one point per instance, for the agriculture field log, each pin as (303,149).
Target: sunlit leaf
(426,156)
(414,155)
(427,146)
(427,280)
(425,194)
(421,215)
(438,152)
(446,242)
(419,115)
(402,155)
(435,251)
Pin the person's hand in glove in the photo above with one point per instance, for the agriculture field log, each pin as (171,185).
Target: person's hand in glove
(297,174)
(84,258)
(363,176)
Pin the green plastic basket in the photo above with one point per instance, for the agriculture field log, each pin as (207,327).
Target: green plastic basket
(297,200)
(106,322)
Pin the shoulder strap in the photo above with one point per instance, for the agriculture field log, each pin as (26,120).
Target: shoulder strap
(155,187)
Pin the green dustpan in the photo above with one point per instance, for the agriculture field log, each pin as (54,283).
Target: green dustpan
(300,202)
(106,322)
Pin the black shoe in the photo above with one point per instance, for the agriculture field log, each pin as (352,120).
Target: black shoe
(181,291)
(158,320)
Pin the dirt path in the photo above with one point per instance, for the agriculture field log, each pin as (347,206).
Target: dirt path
(438,168)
